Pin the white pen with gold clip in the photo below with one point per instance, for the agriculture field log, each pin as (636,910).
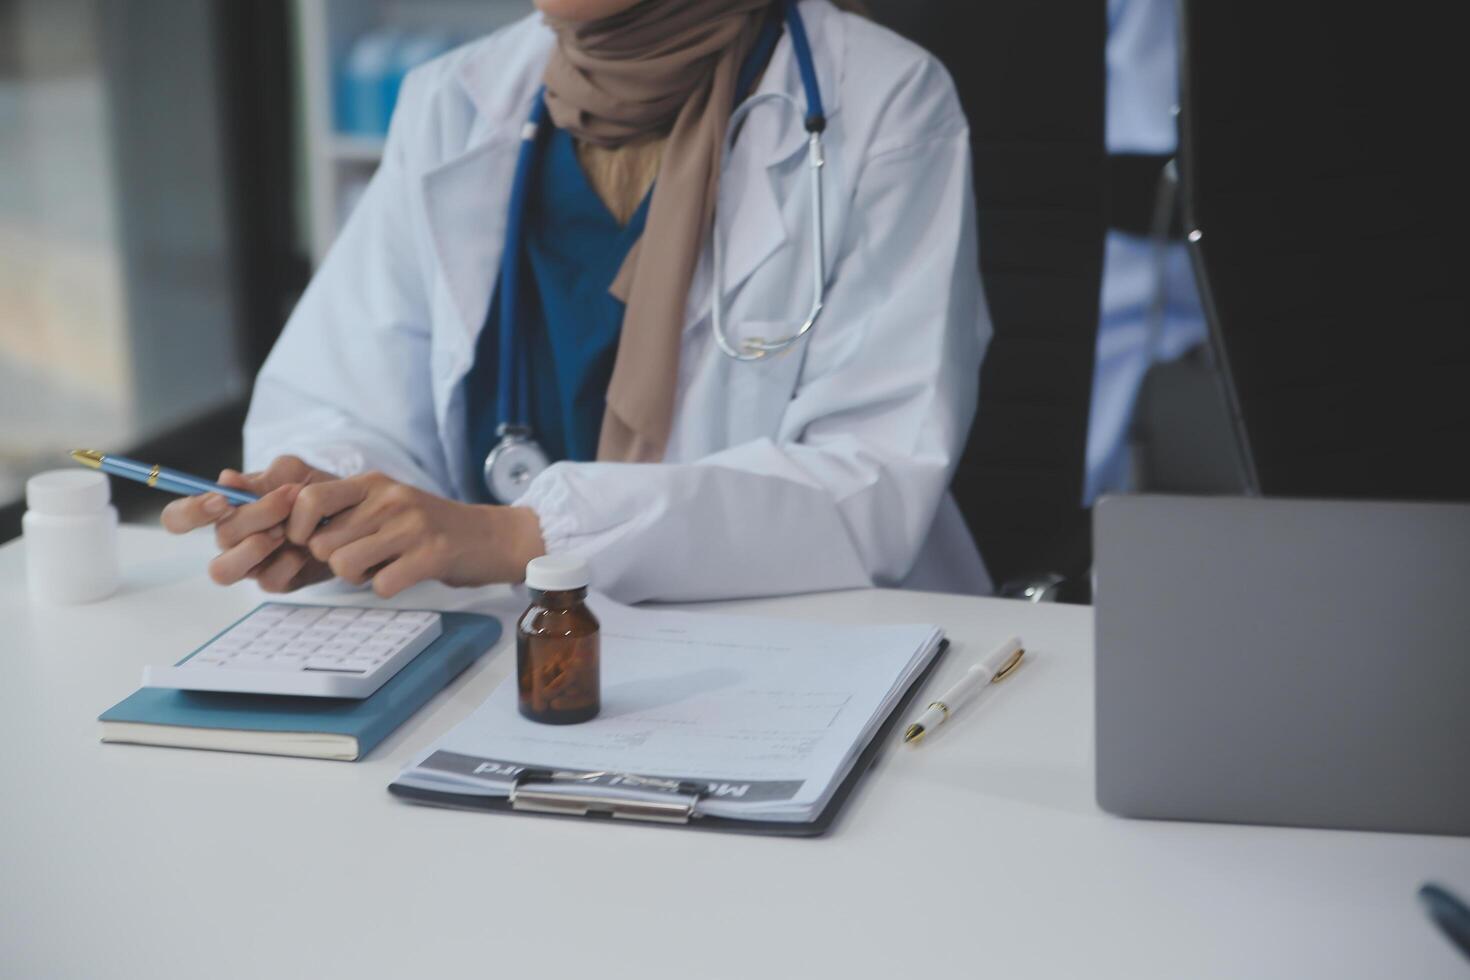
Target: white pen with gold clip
(990,670)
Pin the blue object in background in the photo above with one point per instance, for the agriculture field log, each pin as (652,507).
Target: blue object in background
(360,107)
(371,73)
(1149,308)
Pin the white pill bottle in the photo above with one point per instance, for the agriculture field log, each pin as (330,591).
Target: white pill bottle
(70,531)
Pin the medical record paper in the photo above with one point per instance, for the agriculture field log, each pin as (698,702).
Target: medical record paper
(765,716)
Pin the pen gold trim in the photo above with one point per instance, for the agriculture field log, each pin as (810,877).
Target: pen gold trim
(88,457)
(1008,666)
(915,733)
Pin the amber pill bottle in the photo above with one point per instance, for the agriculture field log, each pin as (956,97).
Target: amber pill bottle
(558,644)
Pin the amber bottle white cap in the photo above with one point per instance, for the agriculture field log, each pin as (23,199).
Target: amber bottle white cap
(557,573)
(70,533)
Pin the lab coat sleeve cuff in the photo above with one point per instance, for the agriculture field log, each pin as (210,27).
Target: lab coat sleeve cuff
(551,500)
(341,460)
(338,458)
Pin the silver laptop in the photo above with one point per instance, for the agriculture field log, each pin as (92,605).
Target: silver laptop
(1293,662)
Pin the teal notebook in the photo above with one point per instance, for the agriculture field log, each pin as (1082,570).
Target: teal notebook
(319,728)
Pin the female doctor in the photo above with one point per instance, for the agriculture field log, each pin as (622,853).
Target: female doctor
(687,287)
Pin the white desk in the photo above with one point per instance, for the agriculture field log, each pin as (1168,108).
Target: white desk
(126,861)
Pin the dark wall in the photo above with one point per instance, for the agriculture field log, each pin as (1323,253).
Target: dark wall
(1324,167)
(1031,77)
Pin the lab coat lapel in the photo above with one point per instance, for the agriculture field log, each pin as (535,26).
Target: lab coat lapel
(465,206)
(467,198)
(467,202)
(748,217)
(749,211)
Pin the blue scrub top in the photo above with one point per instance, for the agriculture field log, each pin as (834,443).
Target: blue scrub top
(571,250)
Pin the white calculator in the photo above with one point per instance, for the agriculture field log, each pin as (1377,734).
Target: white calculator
(316,651)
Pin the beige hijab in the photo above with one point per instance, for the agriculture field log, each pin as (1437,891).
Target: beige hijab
(659,67)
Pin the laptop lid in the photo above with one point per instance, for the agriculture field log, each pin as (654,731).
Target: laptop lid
(1288,662)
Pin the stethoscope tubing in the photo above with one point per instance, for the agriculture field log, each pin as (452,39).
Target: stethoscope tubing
(513,403)
(756,348)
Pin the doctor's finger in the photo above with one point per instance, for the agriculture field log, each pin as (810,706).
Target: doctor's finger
(242,481)
(289,469)
(256,483)
(348,526)
(279,572)
(233,565)
(355,562)
(187,513)
(413,568)
(318,501)
(247,519)
(281,471)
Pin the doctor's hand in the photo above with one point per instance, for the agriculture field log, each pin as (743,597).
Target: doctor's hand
(252,537)
(395,535)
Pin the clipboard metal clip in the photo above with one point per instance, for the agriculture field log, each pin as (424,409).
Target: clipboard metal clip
(534,790)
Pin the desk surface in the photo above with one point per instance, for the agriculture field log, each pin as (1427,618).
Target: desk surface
(125,861)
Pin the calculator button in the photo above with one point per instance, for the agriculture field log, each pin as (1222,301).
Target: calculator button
(342,614)
(247,661)
(301,647)
(377,616)
(306,615)
(331,663)
(229,642)
(415,617)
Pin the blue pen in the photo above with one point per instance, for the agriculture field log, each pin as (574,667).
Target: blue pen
(159,477)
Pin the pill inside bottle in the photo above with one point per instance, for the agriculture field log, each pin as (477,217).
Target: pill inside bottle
(558,644)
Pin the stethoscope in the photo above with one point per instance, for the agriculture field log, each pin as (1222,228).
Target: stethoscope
(517,457)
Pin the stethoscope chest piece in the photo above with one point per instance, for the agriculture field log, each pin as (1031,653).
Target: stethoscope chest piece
(516,460)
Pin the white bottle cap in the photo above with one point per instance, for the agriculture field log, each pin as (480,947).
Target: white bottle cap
(557,573)
(68,492)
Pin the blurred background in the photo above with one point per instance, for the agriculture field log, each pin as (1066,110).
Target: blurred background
(172,170)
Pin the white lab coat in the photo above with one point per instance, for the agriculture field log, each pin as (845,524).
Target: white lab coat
(824,468)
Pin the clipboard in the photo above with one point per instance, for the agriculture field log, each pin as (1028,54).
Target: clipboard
(537,795)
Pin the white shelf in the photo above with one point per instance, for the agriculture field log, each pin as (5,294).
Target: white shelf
(355,149)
